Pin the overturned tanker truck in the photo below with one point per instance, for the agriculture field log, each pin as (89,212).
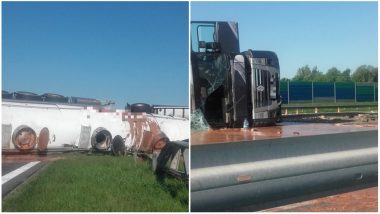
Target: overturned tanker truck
(241,159)
(40,124)
(230,87)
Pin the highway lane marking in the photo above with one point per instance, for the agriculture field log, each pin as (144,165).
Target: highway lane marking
(18,171)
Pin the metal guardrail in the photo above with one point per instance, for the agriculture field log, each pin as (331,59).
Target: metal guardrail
(230,175)
(318,108)
(178,111)
(331,114)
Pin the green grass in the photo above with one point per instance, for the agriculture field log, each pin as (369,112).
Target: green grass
(98,183)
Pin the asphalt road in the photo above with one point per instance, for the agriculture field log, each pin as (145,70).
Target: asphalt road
(15,173)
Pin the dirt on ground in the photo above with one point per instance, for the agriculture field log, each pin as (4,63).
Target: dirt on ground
(363,200)
(14,157)
(370,119)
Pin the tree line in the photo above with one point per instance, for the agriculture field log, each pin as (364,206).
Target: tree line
(364,73)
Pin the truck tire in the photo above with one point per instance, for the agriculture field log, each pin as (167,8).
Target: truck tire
(118,146)
(141,107)
(24,95)
(6,95)
(50,97)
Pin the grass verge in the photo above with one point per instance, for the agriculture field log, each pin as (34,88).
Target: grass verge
(304,108)
(98,183)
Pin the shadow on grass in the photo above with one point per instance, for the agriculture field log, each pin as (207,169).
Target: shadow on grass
(173,186)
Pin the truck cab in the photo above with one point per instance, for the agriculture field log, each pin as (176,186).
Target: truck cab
(232,88)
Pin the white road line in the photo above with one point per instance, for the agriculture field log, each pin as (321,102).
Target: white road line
(17,172)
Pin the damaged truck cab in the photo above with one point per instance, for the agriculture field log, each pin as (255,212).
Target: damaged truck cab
(232,88)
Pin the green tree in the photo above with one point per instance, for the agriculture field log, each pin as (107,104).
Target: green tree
(317,75)
(306,74)
(365,73)
(332,74)
(345,76)
(303,74)
(374,75)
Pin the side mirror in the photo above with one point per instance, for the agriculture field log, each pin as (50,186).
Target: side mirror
(213,46)
(201,44)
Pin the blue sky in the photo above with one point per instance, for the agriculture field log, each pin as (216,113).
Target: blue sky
(120,51)
(322,34)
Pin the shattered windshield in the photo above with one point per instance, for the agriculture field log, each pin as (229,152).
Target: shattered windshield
(212,71)
(198,122)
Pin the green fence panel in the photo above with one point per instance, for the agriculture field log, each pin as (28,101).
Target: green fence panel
(300,91)
(345,91)
(364,92)
(284,91)
(303,91)
(323,91)
(376,92)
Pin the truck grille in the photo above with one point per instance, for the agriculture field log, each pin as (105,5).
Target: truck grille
(262,86)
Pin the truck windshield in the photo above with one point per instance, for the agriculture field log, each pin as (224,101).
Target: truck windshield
(210,71)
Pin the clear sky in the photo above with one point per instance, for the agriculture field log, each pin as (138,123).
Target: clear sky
(322,34)
(120,51)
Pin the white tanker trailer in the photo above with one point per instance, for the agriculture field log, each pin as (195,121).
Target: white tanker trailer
(31,124)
